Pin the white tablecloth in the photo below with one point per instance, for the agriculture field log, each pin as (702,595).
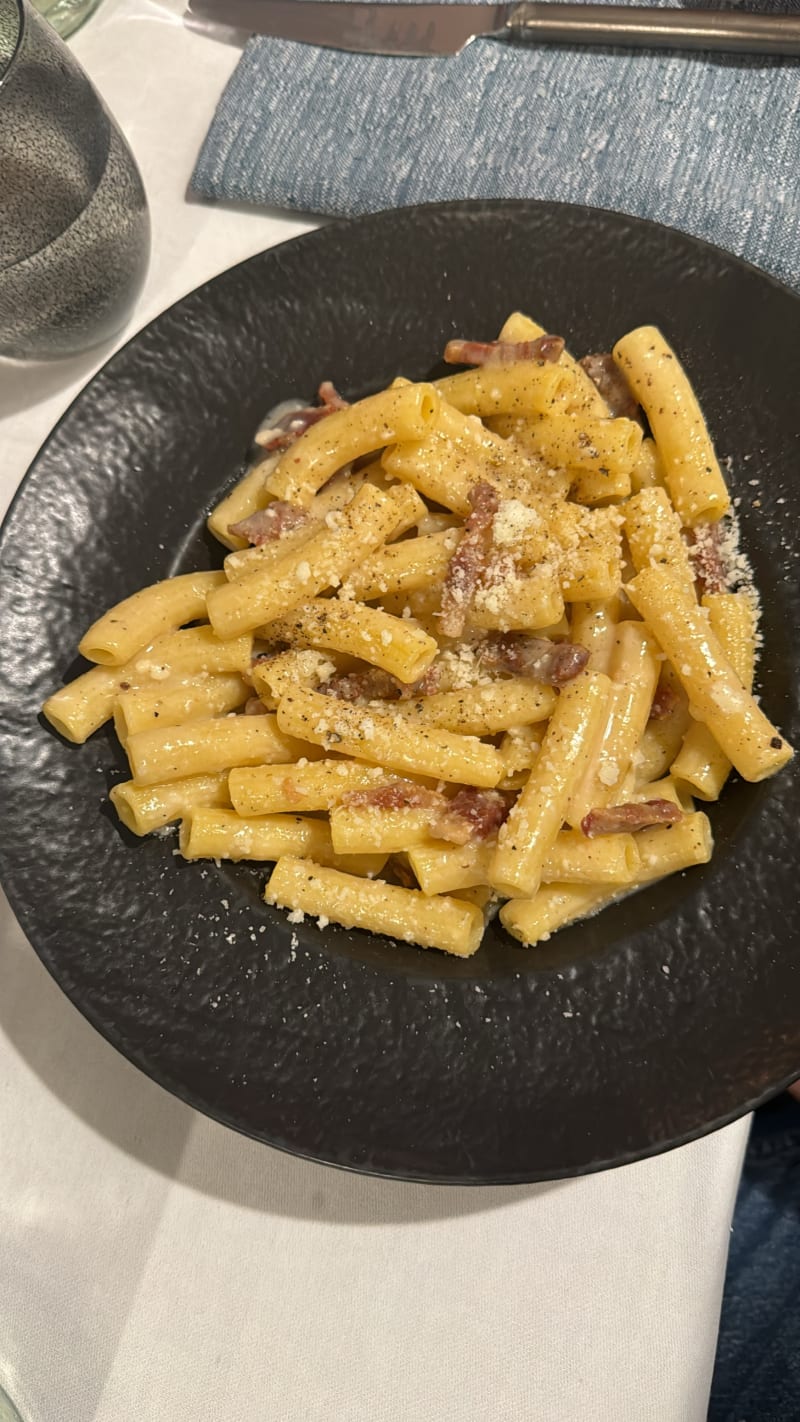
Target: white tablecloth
(155,1267)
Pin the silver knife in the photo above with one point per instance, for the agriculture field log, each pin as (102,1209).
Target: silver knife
(430,29)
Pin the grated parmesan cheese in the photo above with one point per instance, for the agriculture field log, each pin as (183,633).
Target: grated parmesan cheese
(512,521)
(461,667)
(608,773)
(159,671)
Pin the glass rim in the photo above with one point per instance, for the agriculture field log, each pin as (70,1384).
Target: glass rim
(14,56)
(6,1403)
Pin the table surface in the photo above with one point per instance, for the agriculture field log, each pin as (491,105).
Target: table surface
(156,1267)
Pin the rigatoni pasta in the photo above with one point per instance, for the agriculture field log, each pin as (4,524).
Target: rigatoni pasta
(145,808)
(691,470)
(477,639)
(383,736)
(81,707)
(534,821)
(203,747)
(145,615)
(268,593)
(407,413)
(716,694)
(173,703)
(441,922)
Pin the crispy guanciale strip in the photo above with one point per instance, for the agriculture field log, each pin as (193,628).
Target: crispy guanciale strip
(374,684)
(469,560)
(707,559)
(553,663)
(469,815)
(626,819)
(547,348)
(665,702)
(396,795)
(604,372)
(267,525)
(290,426)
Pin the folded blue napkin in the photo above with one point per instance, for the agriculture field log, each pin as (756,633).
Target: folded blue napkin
(707,144)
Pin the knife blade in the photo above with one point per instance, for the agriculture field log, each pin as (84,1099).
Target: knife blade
(424,29)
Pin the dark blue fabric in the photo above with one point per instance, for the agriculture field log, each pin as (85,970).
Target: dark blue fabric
(707,144)
(757,1371)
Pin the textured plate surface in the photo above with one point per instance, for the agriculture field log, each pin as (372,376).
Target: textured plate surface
(645,1026)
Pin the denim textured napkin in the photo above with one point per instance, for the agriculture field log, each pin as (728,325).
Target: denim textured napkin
(757,1373)
(708,144)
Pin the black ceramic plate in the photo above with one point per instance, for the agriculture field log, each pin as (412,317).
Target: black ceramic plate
(642,1028)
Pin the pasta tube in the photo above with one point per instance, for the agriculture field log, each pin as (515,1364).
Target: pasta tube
(533,920)
(241,563)
(383,738)
(203,747)
(527,388)
(518,751)
(315,785)
(287,671)
(531,828)
(78,709)
(691,471)
(137,621)
(605,447)
(399,414)
(325,560)
(700,765)
(451,925)
(716,695)
(395,645)
(482,710)
(144,808)
(524,602)
(634,673)
(246,497)
(445,470)
(450,868)
(574,859)
(358,828)
(323,509)
(671,848)
(653,531)
(582,395)
(648,469)
(221,834)
(174,703)
(446,869)
(594,626)
(403,567)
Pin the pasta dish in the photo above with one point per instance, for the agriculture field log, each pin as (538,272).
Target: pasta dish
(481,643)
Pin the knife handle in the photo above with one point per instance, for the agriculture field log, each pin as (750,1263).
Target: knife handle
(646,27)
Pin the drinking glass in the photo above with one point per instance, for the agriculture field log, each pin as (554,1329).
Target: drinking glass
(66,15)
(8,1412)
(74,228)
